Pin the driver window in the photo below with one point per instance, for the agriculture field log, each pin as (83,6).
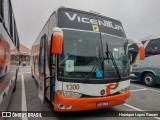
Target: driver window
(133,52)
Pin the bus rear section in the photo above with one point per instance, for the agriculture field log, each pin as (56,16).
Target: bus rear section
(90,69)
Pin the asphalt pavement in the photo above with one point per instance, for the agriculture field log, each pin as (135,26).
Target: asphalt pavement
(25,98)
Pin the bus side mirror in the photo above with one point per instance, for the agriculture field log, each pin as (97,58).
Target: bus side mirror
(133,52)
(141,53)
(57,41)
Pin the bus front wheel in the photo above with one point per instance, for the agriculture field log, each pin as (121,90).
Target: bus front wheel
(149,79)
(32,76)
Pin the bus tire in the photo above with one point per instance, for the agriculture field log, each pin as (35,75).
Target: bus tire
(14,89)
(47,101)
(149,79)
(32,76)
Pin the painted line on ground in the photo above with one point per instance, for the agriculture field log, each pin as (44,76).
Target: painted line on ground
(137,109)
(138,90)
(24,104)
(137,86)
(24,73)
(154,90)
(146,88)
(130,106)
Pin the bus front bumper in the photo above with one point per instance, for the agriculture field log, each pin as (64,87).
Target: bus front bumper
(62,104)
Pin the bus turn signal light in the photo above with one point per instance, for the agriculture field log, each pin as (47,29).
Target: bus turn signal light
(142,53)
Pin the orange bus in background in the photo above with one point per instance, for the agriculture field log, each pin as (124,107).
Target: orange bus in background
(9,53)
(81,61)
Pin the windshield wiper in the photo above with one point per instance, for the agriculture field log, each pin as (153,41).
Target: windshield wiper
(67,56)
(115,66)
(99,60)
(110,56)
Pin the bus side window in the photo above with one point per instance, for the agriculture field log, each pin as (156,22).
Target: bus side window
(6,14)
(153,48)
(10,20)
(42,54)
(1,9)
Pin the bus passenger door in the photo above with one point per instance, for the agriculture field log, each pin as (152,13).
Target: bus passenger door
(42,71)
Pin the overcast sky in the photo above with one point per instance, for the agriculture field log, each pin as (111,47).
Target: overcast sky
(140,18)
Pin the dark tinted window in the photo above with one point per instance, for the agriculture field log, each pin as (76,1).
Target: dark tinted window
(15,31)
(10,20)
(143,42)
(153,47)
(42,53)
(1,8)
(13,27)
(8,17)
(6,14)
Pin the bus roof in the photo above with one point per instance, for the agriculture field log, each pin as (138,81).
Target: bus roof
(153,36)
(77,19)
(87,12)
(131,41)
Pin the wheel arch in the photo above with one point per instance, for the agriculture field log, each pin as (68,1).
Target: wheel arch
(147,71)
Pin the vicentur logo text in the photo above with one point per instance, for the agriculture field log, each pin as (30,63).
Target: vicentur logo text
(106,23)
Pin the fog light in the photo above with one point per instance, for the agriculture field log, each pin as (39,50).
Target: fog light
(69,94)
(68,107)
(61,106)
(121,91)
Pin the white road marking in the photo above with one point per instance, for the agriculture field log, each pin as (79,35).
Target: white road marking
(145,88)
(154,90)
(138,90)
(24,105)
(137,109)
(132,107)
(137,86)
(24,72)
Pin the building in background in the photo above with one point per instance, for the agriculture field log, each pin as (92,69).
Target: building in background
(25,55)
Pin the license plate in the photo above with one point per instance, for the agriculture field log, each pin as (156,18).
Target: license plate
(102,104)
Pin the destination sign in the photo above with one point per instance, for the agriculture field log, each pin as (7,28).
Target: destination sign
(91,22)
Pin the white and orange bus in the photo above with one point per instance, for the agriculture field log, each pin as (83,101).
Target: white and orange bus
(81,61)
(9,53)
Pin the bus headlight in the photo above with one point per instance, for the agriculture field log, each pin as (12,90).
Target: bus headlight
(124,90)
(69,94)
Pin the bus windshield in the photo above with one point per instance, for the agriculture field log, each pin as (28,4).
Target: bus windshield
(81,51)
(118,48)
